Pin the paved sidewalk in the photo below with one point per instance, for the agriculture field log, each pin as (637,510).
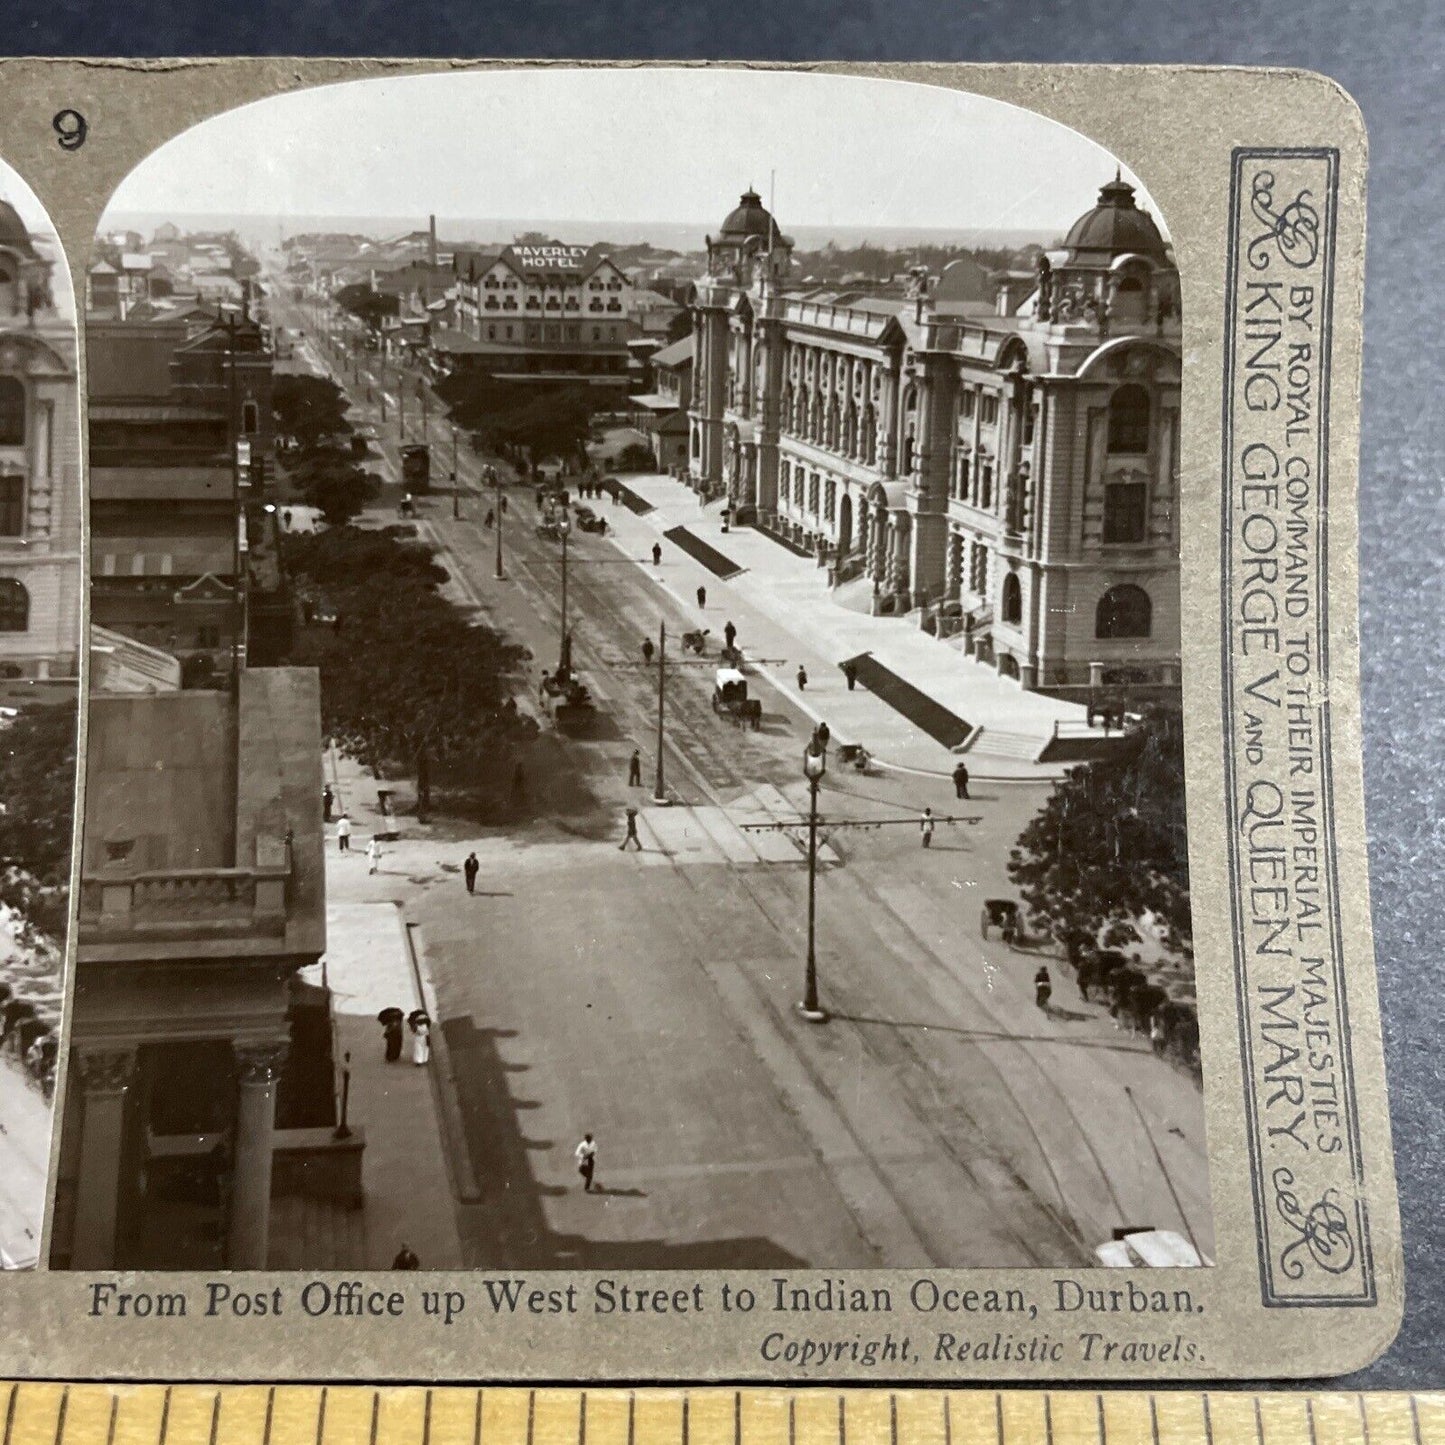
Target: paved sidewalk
(368,967)
(786,613)
(25,1123)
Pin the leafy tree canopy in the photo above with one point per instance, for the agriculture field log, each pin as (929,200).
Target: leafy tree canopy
(547,423)
(372,307)
(1111,843)
(309,408)
(37,785)
(404,677)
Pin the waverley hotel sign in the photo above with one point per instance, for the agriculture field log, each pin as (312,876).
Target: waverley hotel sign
(553,256)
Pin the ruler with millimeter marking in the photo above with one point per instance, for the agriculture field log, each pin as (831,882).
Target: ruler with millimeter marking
(58,1414)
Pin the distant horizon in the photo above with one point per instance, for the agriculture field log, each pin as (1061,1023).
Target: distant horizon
(674,235)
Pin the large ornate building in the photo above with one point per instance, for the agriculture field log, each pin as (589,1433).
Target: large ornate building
(1004,468)
(41,574)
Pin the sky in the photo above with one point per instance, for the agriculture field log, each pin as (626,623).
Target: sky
(631,145)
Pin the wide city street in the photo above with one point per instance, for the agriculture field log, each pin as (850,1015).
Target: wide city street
(937,1117)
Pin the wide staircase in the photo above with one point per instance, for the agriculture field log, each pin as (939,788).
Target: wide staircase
(999,743)
(316,1234)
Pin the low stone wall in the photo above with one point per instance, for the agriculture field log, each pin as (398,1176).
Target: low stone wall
(316,1164)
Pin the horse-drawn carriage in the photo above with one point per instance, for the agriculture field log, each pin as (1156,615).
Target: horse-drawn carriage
(730,696)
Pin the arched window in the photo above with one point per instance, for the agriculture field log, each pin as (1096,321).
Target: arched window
(1011,606)
(1129,300)
(1124,611)
(14,606)
(12,412)
(1129,420)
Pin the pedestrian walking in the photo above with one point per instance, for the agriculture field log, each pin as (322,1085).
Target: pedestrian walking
(850,674)
(960,781)
(343,834)
(586,1156)
(504,506)
(802,678)
(657,554)
(925,827)
(420,1038)
(328,802)
(489,519)
(391,1032)
(702,597)
(1158,1034)
(730,635)
(1043,987)
(470,869)
(373,853)
(405,1259)
(634,769)
(647,650)
(631,835)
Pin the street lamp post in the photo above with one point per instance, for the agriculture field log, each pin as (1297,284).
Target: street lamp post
(659,789)
(456,480)
(815,764)
(564,665)
(496,480)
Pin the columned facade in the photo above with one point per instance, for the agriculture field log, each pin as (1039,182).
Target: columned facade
(1010,476)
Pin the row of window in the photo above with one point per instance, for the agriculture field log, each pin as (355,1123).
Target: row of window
(505,332)
(492,283)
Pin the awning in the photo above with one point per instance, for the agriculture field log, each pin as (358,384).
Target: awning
(654,401)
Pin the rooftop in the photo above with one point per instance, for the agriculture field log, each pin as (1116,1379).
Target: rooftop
(203,832)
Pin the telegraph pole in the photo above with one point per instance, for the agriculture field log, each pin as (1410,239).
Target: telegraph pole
(497,481)
(659,790)
(456,479)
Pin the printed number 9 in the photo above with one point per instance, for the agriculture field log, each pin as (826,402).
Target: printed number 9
(71,128)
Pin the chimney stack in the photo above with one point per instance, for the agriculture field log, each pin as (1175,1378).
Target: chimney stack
(431,243)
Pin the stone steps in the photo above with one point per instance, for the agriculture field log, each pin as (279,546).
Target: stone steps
(316,1234)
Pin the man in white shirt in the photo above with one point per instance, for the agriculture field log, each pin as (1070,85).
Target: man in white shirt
(343,834)
(586,1154)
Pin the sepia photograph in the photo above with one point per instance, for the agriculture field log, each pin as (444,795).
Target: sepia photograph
(42,590)
(635,711)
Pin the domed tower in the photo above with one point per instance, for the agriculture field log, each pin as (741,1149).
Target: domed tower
(749,243)
(24,272)
(733,443)
(1098,363)
(1114,268)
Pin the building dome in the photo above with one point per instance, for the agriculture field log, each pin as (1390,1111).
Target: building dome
(13,234)
(750,218)
(1115,226)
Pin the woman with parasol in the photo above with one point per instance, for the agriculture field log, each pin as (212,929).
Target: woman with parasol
(390,1020)
(420,1036)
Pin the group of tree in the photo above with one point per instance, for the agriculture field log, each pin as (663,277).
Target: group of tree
(408,684)
(37,782)
(1110,847)
(370,306)
(507,417)
(321,455)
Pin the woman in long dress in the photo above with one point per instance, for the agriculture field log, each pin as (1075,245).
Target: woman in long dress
(421,1042)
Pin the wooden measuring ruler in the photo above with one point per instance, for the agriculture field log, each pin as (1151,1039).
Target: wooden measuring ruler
(57,1414)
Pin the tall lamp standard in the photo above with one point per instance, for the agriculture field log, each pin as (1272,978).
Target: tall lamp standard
(815,764)
(456,479)
(564,661)
(495,478)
